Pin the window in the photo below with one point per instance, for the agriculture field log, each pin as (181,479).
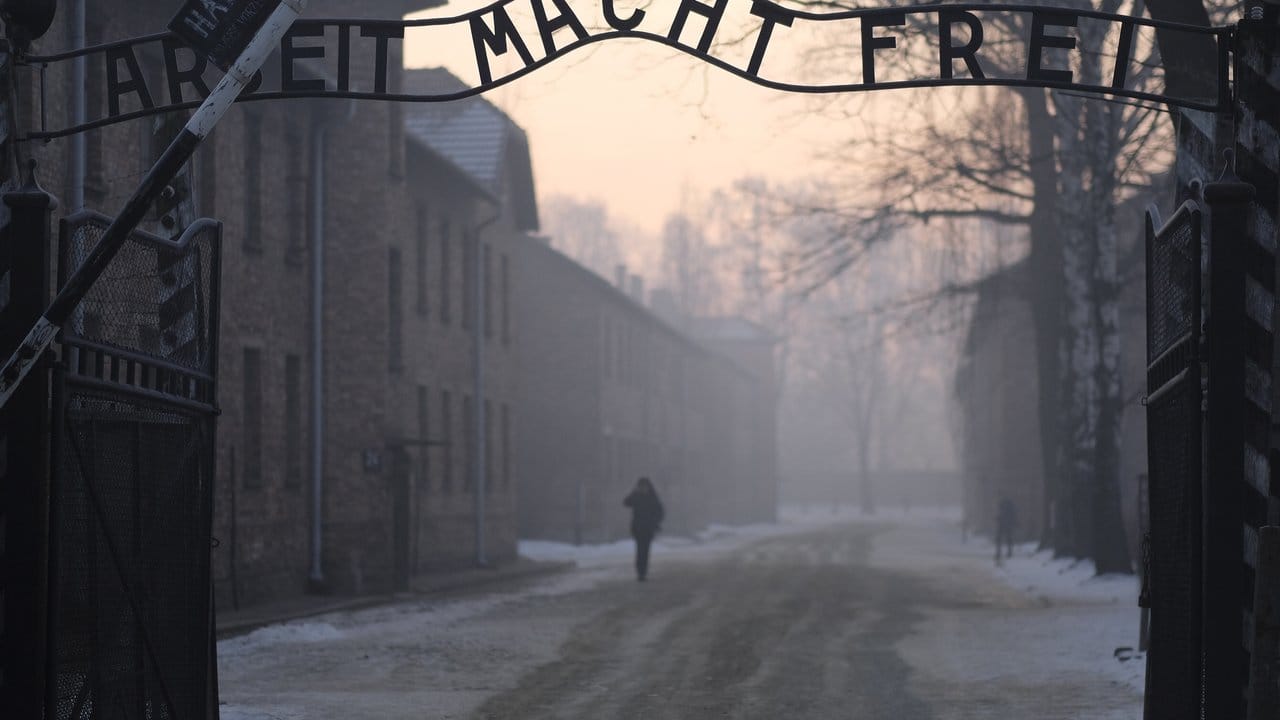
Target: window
(96,181)
(252,420)
(489,474)
(505,272)
(506,444)
(292,421)
(606,359)
(487,269)
(468,281)
(424,427)
(295,205)
(395,337)
(468,445)
(423,245)
(395,124)
(445,247)
(446,437)
(252,182)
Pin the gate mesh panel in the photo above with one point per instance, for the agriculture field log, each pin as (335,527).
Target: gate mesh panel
(1173,661)
(1173,284)
(152,299)
(133,539)
(131,504)
(1174,459)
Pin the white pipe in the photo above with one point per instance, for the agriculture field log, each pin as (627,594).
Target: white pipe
(478,468)
(319,179)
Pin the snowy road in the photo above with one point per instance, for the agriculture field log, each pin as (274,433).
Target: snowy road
(862,620)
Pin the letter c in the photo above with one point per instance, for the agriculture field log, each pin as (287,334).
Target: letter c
(617,23)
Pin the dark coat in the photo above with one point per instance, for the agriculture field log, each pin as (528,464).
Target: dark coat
(646,512)
(1006,516)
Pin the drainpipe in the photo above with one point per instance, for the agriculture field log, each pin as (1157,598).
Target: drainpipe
(318,138)
(319,174)
(478,468)
(79,102)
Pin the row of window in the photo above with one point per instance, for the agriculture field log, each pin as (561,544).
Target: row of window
(293,196)
(437,455)
(445,240)
(634,357)
(497,450)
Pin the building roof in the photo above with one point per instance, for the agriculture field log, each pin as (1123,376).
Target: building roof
(477,137)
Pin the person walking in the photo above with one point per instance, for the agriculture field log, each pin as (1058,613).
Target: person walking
(1006,521)
(646,521)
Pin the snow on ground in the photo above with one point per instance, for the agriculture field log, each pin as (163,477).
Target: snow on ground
(1040,620)
(1059,617)
(1047,620)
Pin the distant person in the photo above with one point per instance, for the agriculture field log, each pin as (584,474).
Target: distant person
(646,521)
(1006,521)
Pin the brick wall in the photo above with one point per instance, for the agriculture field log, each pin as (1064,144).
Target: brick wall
(609,393)
(374,189)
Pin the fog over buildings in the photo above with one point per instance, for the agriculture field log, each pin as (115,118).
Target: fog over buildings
(626,389)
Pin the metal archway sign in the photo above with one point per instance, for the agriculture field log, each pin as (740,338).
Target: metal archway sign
(963,45)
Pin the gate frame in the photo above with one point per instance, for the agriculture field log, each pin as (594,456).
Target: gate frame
(65,379)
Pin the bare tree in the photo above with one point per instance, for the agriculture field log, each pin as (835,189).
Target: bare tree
(690,267)
(1055,166)
(582,231)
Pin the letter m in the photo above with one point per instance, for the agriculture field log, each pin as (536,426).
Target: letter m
(495,40)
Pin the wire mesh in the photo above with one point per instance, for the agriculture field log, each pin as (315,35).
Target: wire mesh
(132,501)
(1173,272)
(1174,575)
(133,549)
(154,298)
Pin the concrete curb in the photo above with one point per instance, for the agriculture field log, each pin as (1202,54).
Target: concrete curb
(245,621)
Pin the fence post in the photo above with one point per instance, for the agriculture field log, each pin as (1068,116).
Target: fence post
(1228,427)
(25,424)
(1264,670)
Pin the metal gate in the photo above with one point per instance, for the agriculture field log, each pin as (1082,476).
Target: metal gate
(130,631)
(1172,588)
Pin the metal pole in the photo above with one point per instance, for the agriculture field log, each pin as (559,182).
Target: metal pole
(79,112)
(477,371)
(1223,582)
(1264,681)
(24,491)
(316,578)
(174,157)
(478,447)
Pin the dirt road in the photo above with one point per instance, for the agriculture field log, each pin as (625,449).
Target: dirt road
(811,624)
(796,627)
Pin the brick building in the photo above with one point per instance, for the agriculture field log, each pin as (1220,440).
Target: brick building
(377,273)
(996,380)
(998,430)
(349,313)
(610,392)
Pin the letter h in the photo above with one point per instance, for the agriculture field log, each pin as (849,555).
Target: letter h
(713,14)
